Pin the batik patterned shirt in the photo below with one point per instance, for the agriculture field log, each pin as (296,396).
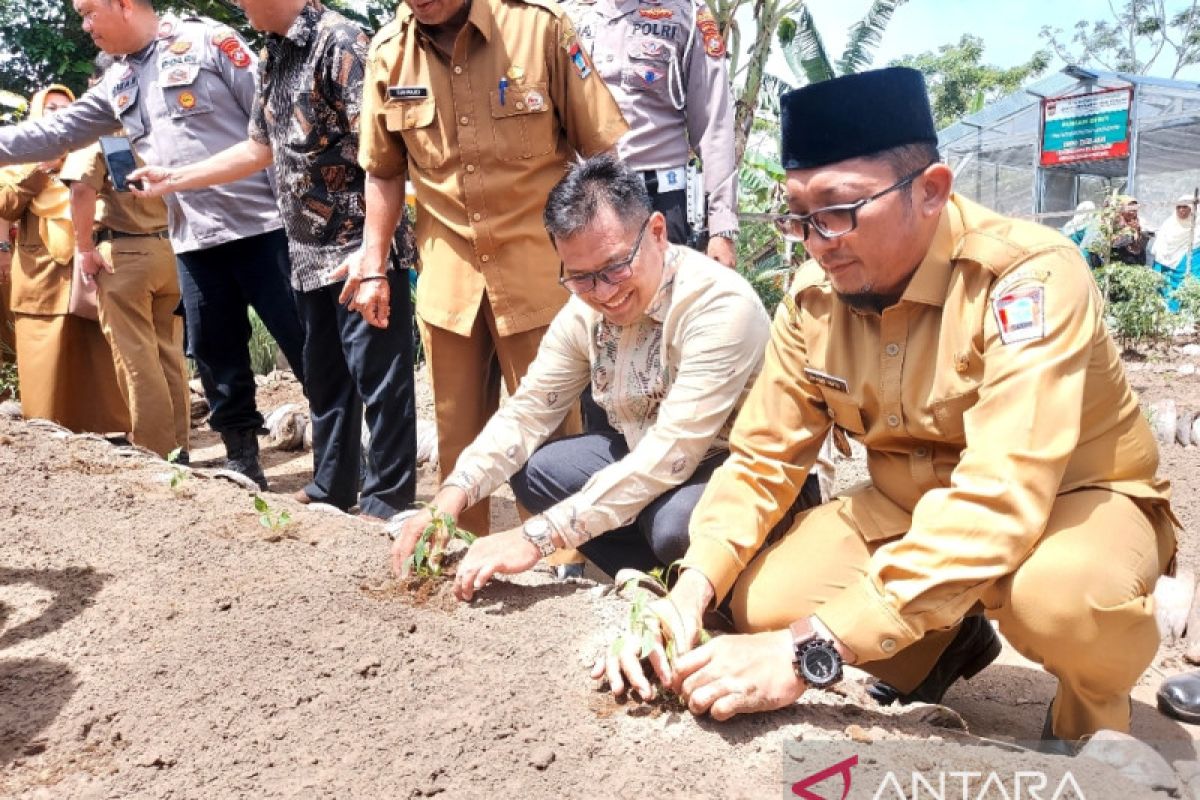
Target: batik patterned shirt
(307,112)
(671,383)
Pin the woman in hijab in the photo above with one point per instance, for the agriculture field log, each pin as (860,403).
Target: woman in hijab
(1078,224)
(1177,248)
(64,364)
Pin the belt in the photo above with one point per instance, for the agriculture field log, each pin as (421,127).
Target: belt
(659,181)
(108,234)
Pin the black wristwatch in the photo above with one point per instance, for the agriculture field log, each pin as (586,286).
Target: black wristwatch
(816,660)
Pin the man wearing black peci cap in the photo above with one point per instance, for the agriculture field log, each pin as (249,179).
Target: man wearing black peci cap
(1012,474)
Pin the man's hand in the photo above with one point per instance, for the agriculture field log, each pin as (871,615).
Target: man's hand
(151,181)
(406,542)
(507,553)
(739,675)
(368,293)
(680,613)
(90,263)
(722,250)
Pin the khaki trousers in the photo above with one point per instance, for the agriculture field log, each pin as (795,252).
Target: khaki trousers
(137,314)
(1080,604)
(465,373)
(8,337)
(65,371)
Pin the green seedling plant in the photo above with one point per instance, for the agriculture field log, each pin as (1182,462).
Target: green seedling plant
(642,588)
(270,518)
(179,475)
(427,559)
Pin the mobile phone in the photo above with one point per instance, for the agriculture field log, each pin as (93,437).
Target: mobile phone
(118,157)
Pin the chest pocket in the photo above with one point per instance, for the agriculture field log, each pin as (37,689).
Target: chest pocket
(417,123)
(843,410)
(188,100)
(522,125)
(649,66)
(302,134)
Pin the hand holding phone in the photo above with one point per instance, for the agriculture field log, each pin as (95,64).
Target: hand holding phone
(118,157)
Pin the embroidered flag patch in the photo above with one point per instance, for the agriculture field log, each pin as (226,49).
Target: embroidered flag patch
(577,58)
(1021,314)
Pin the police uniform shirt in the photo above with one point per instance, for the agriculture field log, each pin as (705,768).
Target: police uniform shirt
(484,135)
(185,96)
(665,63)
(990,388)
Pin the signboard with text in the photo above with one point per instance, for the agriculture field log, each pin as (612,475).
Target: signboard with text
(1086,127)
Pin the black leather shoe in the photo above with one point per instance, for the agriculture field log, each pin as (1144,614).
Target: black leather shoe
(1179,697)
(241,450)
(974,647)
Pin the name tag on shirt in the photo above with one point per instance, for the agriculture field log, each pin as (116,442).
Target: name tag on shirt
(826,380)
(408,92)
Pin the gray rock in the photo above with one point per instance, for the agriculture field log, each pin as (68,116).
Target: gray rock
(1163,416)
(1189,773)
(1186,369)
(1134,759)
(10,409)
(1183,428)
(541,757)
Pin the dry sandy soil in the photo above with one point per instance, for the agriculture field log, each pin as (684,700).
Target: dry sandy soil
(160,642)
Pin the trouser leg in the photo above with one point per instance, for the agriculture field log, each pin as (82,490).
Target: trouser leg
(1081,605)
(335,410)
(558,470)
(673,206)
(264,275)
(126,308)
(381,361)
(218,331)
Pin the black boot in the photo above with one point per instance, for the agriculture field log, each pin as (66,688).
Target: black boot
(1179,697)
(241,450)
(974,647)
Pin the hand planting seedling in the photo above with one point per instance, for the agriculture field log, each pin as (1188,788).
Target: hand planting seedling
(268,517)
(429,554)
(645,586)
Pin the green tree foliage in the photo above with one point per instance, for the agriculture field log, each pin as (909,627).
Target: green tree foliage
(1138,36)
(960,83)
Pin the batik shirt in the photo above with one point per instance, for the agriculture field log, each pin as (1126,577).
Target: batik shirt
(307,113)
(670,382)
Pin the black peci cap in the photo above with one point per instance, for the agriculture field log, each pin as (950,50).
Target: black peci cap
(854,115)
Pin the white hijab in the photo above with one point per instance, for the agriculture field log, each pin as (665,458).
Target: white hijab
(1176,237)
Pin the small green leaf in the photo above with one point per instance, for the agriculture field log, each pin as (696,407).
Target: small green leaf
(260,505)
(173,456)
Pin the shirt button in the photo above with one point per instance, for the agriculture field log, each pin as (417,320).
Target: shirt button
(892,349)
(520,106)
(893,420)
(920,452)
(485,258)
(477,216)
(888,645)
(470,167)
(458,70)
(463,120)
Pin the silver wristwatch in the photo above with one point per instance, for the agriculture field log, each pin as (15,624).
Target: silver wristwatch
(537,531)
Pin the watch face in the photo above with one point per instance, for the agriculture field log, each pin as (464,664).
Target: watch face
(821,664)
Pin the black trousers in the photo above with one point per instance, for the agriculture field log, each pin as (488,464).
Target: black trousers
(217,284)
(353,366)
(659,535)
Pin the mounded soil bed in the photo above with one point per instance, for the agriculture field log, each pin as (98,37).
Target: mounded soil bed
(161,642)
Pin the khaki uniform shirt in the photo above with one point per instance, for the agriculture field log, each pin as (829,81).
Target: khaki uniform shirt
(666,66)
(484,135)
(117,211)
(990,388)
(671,384)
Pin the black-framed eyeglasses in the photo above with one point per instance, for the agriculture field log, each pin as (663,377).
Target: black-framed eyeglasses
(834,221)
(612,274)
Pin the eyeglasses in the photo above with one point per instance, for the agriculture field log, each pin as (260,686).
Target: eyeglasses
(834,221)
(612,274)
